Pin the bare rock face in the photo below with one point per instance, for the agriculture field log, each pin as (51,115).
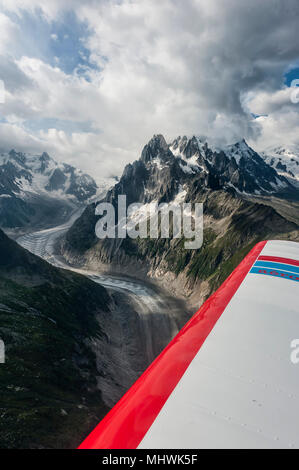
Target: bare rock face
(238,165)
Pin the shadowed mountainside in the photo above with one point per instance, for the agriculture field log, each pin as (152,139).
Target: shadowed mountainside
(48,318)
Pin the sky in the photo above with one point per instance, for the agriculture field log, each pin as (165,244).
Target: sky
(91,81)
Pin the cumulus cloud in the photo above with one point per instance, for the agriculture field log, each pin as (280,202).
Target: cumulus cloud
(8,31)
(171,67)
(267,102)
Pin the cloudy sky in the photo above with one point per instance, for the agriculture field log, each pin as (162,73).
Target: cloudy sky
(90,81)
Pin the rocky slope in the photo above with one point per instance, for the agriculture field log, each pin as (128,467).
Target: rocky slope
(190,170)
(36,190)
(48,321)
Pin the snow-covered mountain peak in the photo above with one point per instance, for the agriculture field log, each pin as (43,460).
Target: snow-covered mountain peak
(236,165)
(37,190)
(26,174)
(187,147)
(239,150)
(285,160)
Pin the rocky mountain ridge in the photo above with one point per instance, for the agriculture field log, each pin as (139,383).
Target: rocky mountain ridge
(189,170)
(23,173)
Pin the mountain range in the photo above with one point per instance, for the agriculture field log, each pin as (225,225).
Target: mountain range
(237,187)
(236,166)
(35,190)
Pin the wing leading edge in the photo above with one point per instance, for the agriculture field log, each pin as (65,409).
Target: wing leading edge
(226,380)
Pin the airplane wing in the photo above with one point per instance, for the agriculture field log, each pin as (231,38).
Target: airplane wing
(227,379)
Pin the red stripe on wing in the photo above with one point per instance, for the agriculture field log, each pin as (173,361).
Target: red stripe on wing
(278,259)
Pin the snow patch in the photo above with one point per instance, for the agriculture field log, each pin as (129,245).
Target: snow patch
(285,161)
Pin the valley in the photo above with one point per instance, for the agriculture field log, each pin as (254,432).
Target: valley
(153,315)
(147,297)
(75,340)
